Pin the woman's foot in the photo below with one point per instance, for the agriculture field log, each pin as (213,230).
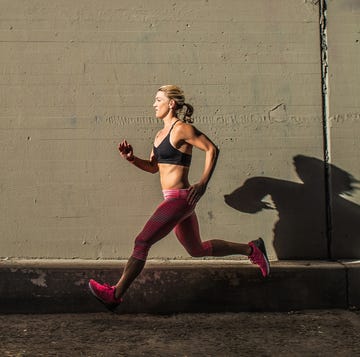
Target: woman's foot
(259,256)
(105,294)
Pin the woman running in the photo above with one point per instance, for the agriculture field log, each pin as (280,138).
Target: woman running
(171,157)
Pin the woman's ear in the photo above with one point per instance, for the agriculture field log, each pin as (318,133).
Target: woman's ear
(172,104)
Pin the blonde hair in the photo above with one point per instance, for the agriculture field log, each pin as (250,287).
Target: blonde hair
(177,95)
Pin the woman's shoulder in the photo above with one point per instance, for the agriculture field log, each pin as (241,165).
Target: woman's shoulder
(185,130)
(182,126)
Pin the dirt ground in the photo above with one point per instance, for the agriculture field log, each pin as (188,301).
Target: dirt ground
(308,333)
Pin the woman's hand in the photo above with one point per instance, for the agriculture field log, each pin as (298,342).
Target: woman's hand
(126,151)
(196,192)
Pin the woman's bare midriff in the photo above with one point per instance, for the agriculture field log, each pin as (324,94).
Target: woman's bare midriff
(173,176)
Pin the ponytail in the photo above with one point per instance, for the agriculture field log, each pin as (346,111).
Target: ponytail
(185,112)
(188,113)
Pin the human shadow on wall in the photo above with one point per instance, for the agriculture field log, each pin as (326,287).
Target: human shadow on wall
(300,232)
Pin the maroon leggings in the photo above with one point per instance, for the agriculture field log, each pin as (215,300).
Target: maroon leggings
(173,213)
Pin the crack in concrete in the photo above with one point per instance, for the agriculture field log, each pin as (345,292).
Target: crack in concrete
(275,108)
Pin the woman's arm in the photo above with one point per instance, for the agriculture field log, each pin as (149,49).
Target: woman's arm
(127,152)
(199,140)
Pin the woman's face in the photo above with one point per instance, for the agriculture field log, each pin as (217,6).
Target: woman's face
(161,105)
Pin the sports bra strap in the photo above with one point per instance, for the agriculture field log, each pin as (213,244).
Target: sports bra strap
(173,125)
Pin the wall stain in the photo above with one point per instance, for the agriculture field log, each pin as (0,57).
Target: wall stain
(40,280)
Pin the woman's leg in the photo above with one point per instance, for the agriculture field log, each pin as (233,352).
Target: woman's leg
(160,224)
(132,269)
(222,248)
(187,232)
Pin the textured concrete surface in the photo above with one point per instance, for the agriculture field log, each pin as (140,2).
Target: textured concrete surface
(344,125)
(179,286)
(306,333)
(78,77)
(353,272)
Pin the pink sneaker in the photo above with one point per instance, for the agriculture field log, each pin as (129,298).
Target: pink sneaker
(259,256)
(105,294)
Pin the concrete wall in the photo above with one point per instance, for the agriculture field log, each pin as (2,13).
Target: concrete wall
(344,125)
(78,77)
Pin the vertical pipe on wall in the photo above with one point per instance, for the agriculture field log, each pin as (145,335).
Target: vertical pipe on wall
(326,121)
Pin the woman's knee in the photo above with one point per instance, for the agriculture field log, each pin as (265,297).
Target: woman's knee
(204,250)
(141,248)
(197,253)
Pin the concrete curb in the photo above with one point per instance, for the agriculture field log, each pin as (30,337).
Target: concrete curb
(353,283)
(53,286)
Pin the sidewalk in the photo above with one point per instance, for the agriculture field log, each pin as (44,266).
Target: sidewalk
(60,286)
(306,333)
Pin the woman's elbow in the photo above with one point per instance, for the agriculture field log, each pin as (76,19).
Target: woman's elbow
(215,151)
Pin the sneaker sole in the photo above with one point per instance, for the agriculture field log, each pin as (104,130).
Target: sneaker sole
(110,307)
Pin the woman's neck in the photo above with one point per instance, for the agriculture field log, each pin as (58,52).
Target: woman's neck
(169,120)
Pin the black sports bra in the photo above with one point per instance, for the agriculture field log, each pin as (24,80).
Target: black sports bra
(165,153)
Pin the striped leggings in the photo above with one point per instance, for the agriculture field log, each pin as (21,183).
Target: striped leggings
(173,213)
